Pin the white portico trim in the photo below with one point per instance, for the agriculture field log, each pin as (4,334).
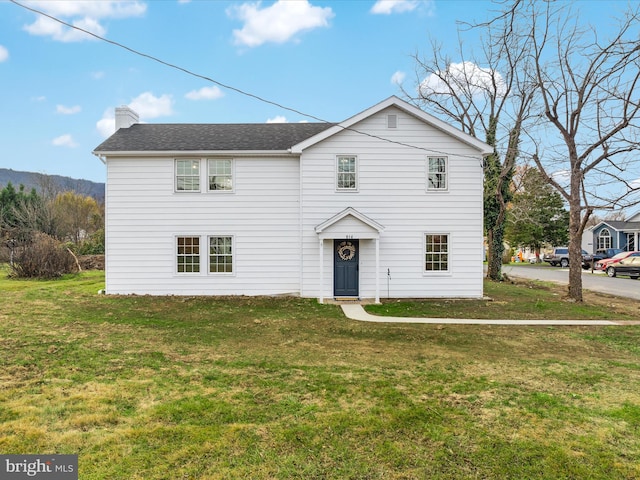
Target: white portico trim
(349,224)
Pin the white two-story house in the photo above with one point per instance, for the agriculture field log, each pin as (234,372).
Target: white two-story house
(385,203)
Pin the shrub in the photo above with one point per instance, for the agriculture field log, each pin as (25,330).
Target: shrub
(42,257)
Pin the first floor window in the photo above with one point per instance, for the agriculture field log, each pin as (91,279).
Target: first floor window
(346,173)
(436,253)
(604,239)
(187,175)
(220,174)
(437,173)
(188,256)
(221,254)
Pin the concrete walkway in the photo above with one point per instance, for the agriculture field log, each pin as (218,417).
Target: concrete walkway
(356,312)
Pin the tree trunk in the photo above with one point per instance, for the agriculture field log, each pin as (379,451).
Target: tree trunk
(575,246)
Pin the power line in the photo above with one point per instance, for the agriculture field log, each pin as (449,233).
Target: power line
(223,85)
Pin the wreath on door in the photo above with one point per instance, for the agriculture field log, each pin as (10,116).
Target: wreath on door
(346,250)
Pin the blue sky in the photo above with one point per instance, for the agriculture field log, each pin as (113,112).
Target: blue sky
(330,59)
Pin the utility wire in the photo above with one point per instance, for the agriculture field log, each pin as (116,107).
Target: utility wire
(223,85)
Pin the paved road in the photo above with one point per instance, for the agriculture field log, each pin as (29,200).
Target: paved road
(597,282)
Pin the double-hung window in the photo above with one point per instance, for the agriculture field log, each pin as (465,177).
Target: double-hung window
(437,173)
(187,175)
(347,173)
(188,254)
(220,254)
(436,257)
(220,174)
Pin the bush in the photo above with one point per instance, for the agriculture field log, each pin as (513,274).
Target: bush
(42,257)
(94,245)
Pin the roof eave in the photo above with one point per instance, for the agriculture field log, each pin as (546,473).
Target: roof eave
(192,153)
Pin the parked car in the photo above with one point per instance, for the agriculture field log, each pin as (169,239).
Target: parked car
(601,254)
(605,263)
(560,256)
(630,266)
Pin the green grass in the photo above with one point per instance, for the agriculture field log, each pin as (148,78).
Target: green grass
(516,300)
(261,388)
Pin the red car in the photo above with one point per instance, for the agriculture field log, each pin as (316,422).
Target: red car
(604,263)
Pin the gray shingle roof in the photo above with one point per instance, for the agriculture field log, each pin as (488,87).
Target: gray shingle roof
(623,225)
(210,137)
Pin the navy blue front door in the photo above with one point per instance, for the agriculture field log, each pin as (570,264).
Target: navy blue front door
(345,268)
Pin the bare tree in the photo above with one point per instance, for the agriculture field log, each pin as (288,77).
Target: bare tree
(489,97)
(590,90)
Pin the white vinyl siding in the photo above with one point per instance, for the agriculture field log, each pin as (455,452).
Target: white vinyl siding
(262,216)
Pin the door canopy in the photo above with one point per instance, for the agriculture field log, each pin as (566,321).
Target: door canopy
(351,224)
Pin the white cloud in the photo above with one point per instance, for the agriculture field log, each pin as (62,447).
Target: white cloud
(205,93)
(387,7)
(398,77)
(41,98)
(148,105)
(107,124)
(277,23)
(68,110)
(82,14)
(465,76)
(277,119)
(4,54)
(97,75)
(64,141)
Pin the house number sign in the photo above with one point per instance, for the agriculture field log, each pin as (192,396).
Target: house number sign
(346,250)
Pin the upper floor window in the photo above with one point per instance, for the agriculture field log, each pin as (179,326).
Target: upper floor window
(188,175)
(437,173)
(220,174)
(188,254)
(347,171)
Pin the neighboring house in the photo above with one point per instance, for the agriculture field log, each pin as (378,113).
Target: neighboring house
(386,203)
(622,234)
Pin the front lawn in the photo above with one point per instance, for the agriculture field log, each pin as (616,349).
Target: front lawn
(279,388)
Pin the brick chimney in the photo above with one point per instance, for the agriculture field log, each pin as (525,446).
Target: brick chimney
(125,117)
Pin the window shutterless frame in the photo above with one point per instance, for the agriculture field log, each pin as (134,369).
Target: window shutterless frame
(220,173)
(347,173)
(437,253)
(187,174)
(221,254)
(437,174)
(188,254)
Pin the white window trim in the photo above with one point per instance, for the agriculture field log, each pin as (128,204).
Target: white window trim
(602,237)
(357,165)
(175,254)
(233,176)
(446,172)
(438,273)
(175,175)
(232,273)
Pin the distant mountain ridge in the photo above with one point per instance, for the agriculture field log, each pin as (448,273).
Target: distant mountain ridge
(38,180)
